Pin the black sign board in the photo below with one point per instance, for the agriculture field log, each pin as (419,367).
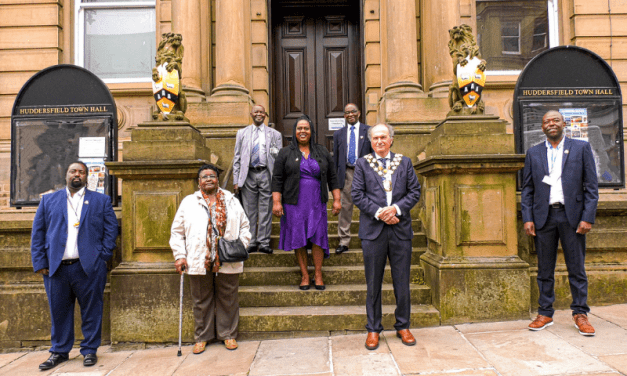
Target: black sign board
(584,89)
(62,114)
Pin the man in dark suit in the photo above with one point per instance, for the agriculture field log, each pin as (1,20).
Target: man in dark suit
(559,201)
(256,147)
(385,188)
(74,233)
(349,144)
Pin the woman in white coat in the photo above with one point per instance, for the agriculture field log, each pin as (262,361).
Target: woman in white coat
(213,284)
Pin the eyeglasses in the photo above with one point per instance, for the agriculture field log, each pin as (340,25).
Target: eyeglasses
(208,177)
(352,112)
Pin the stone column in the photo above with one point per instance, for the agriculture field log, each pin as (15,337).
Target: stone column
(400,51)
(232,49)
(441,15)
(186,21)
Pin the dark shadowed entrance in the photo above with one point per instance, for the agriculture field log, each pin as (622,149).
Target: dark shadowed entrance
(317,65)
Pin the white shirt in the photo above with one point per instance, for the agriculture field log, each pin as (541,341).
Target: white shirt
(74,208)
(262,144)
(554,157)
(388,176)
(348,140)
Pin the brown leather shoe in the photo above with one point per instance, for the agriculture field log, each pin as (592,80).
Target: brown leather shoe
(540,323)
(581,322)
(406,336)
(372,342)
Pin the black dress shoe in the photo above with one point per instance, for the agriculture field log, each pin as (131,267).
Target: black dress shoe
(265,249)
(318,287)
(304,287)
(54,360)
(90,360)
(341,249)
(251,249)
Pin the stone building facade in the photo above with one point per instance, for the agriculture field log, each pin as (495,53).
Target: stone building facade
(390,57)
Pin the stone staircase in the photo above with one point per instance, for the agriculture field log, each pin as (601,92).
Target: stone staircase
(272,306)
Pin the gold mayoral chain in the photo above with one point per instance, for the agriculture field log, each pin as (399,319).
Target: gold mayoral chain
(381,171)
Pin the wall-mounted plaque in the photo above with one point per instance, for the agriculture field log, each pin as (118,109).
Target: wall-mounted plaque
(584,89)
(62,114)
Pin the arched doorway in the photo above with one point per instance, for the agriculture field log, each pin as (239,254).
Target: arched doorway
(317,62)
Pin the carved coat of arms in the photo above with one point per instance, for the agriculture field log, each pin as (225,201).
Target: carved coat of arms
(166,89)
(471,80)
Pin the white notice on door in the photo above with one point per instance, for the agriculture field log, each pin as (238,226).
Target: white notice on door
(336,123)
(91,147)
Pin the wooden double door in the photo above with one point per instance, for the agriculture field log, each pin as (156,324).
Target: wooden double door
(317,64)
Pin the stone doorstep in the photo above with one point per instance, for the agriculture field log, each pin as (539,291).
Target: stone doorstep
(351,257)
(333,275)
(419,240)
(334,295)
(327,318)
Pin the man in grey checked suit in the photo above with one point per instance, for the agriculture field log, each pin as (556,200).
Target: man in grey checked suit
(256,146)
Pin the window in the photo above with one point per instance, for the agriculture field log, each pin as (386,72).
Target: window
(514,32)
(116,40)
(510,36)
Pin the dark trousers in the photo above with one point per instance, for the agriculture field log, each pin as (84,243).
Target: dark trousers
(574,246)
(215,305)
(376,252)
(68,284)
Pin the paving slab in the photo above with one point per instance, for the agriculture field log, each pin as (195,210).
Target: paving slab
(493,326)
(29,364)
(8,358)
(528,353)
(153,362)
(610,338)
(475,372)
(436,350)
(618,362)
(300,356)
(351,358)
(217,360)
(107,362)
(616,314)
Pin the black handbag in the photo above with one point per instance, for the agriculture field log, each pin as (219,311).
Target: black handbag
(230,250)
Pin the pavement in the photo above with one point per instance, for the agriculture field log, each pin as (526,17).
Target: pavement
(481,349)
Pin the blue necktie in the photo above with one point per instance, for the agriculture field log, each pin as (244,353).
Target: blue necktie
(351,147)
(255,154)
(383,164)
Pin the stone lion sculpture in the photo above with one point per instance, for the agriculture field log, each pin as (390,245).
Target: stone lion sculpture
(166,85)
(463,48)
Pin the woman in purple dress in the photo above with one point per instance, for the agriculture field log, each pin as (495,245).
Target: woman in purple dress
(303,175)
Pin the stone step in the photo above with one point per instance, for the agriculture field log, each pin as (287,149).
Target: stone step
(419,240)
(351,257)
(332,275)
(333,295)
(354,228)
(314,319)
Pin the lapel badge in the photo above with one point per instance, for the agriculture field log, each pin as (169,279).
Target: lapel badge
(86,202)
(566,151)
(361,137)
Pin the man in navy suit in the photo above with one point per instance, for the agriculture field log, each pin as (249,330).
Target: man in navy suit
(74,233)
(349,144)
(559,202)
(385,188)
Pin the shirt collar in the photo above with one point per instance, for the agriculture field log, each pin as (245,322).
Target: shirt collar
(261,127)
(388,156)
(350,125)
(80,192)
(560,146)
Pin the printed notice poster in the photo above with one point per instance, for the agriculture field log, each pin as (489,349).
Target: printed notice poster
(336,123)
(96,174)
(576,123)
(92,147)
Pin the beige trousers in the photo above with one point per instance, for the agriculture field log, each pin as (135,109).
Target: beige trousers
(215,306)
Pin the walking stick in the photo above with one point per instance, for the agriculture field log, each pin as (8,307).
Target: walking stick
(181,309)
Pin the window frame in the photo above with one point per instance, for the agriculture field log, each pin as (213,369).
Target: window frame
(553,38)
(517,37)
(79,30)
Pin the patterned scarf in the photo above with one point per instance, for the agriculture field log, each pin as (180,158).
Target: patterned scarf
(217,218)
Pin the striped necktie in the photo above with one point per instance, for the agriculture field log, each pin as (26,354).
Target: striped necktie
(255,154)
